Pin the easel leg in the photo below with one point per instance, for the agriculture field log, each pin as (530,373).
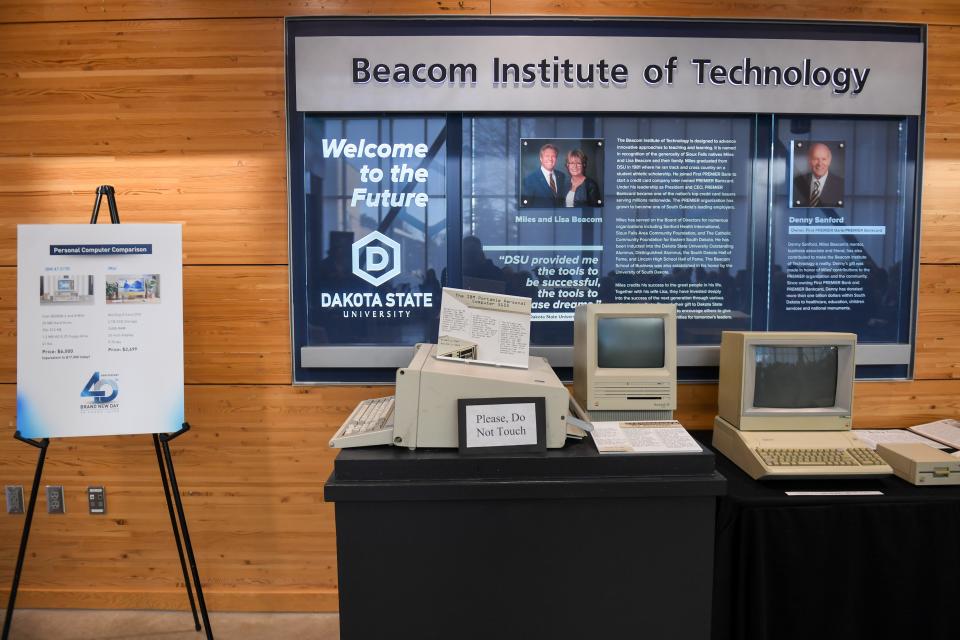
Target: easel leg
(176,529)
(42,445)
(164,439)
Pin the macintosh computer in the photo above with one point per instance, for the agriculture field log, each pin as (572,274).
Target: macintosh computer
(786,406)
(625,361)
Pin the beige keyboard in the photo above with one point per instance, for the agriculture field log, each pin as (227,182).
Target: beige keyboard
(798,454)
(371,423)
(803,457)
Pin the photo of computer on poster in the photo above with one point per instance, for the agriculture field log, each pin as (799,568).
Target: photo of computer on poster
(817,168)
(484,328)
(561,173)
(66,288)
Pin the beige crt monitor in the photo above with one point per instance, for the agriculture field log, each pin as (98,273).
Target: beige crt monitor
(625,360)
(787,381)
(786,406)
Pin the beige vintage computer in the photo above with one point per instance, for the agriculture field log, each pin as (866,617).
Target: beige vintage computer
(786,405)
(424,411)
(625,361)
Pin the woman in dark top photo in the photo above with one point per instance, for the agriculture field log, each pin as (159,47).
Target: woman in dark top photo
(584,191)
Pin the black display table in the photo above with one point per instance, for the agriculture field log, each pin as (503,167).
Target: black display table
(845,567)
(566,544)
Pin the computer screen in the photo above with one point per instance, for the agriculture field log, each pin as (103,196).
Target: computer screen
(625,358)
(630,343)
(787,380)
(790,377)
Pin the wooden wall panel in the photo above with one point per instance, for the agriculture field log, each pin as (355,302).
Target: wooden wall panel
(938,338)
(236,325)
(8,325)
(901,404)
(940,215)
(63,10)
(931,11)
(252,471)
(876,404)
(940,240)
(186,118)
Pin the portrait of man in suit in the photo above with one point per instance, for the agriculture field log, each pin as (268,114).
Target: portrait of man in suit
(545,186)
(816,185)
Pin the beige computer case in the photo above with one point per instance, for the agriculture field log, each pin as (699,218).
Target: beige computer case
(425,413)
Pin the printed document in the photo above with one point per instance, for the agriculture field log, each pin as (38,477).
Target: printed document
(945,431)
(651,436)
(872,437)
(484,328)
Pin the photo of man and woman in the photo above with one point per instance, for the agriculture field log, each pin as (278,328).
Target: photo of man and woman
(564,172)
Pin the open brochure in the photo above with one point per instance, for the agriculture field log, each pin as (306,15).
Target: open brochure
(945,431)
(485,328)
(650,436)
(873,437)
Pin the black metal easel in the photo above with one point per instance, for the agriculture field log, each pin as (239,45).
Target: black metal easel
(171,491)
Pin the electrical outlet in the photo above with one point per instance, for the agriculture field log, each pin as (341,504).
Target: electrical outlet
(97,500)
(14,498)
(55,502)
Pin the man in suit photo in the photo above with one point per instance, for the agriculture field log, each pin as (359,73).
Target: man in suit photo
(818,187)
(546,186)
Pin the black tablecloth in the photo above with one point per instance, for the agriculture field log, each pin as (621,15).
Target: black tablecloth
(818,567)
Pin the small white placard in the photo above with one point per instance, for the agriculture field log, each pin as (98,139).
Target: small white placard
(834,493)
(501,425)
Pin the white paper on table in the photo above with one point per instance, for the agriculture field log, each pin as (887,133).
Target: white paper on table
(649,439)
(609,438)
(945,431)
(872,437)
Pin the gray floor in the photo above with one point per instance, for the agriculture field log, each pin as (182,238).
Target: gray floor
(75,624)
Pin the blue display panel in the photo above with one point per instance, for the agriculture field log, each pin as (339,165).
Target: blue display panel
(759,221)
(845,265)
(675,223)
(375,229)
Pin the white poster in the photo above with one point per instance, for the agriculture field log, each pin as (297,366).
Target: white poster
(99,329)
(484,328)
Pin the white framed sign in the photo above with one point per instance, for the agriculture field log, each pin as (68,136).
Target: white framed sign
(99,329)
(492,426)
